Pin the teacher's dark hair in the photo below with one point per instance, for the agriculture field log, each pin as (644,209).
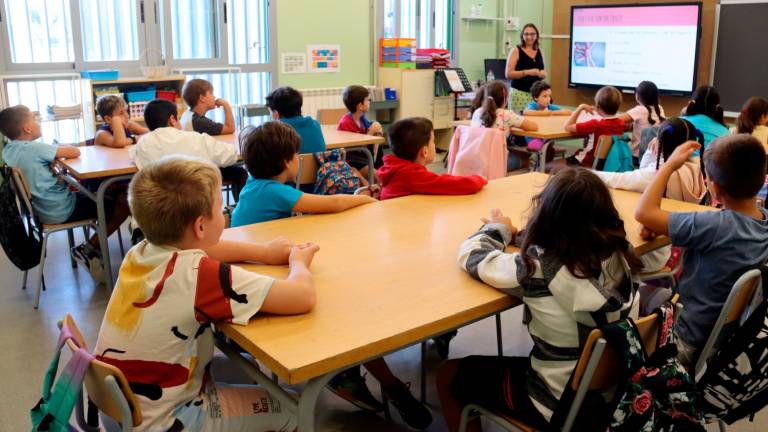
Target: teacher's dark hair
(522,38)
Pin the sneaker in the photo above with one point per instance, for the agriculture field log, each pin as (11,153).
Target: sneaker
(351,386)
(90,258)
(443,343)
(414,413)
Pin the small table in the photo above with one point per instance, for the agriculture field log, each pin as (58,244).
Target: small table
(113,165)
(551,129)
(398,287)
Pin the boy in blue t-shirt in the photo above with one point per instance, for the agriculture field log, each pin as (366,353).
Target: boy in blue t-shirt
(271,155)
(542,104)
(284,104)
(52,200)
(720,245)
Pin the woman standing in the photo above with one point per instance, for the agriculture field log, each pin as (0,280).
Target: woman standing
(525,66)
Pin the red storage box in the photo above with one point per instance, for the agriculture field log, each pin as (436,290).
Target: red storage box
(168,95)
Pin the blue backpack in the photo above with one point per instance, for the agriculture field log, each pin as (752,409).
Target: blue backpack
(334,175)
(619,158)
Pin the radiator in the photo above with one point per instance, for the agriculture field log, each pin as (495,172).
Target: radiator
(324,98)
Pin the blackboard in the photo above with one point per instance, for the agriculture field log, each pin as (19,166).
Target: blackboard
(741,58)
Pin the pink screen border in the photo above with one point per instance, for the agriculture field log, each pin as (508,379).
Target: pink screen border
(673,15)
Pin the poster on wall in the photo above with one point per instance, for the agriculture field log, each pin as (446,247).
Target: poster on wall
(324,58)
(294,63)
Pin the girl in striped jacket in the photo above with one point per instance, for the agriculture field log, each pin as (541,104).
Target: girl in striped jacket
(574,275)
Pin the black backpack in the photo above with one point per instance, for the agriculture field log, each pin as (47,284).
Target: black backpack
(735,384)
(20,242)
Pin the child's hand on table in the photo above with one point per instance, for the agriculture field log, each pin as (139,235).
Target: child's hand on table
(498,217)
(278,251)
(302,254)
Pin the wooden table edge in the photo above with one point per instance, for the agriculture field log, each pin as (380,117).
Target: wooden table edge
(95,174)
(358,355)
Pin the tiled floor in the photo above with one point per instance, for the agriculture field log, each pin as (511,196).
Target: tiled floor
(27,337)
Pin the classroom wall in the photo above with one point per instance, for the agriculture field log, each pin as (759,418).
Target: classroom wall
(343,22)
(479,40)
(558,74)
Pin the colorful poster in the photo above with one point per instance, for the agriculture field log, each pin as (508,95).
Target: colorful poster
(294,63)
(324,58)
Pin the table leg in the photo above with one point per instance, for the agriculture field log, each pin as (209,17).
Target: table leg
(308,401)
(101,229)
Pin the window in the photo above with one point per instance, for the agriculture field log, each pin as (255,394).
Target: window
(39,31)
(38,94)
(116,19)
(235,86)
(249,35)
(195,34)
(428,21)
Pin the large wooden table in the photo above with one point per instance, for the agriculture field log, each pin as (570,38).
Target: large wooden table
(387,277)
(113,164)
(551,129)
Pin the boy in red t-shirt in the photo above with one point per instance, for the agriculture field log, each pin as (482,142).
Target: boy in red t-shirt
(357,99)
(405,173)
(607,101)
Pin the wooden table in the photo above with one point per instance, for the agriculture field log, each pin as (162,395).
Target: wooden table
(114,164)
(551,129)
(387,277)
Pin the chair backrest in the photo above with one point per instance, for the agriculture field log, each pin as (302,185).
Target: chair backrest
(602,148)
(107,398)
(330,116)
(307,169)
(23,194)
(739,298)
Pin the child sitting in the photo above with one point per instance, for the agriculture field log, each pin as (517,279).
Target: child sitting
(607,101)
(412,141)
(175,284)
(166,138)
(720,245)
(642,116)
(357,100)
(753,119)
(284,104)
(685,184)
(118,129)
(704,112)
(271,155)
(573,272)
(198,94)
(542,104)
(52,201)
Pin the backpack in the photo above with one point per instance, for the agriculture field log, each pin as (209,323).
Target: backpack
(655,392)
(735,383)
(619,158)
(21,244)
(334,175)
(54,409)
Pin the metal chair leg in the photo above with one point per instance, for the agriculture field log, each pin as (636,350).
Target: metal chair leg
(71,238)
(24,282)
(423,372)
(42,269)
(499,343)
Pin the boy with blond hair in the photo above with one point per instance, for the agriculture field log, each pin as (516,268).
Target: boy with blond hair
(118,129)
(198,94)
(175,284)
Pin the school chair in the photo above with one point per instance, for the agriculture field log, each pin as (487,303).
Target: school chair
(595,370)
(666,272)
(24,196)
(478,151)
(330,116)
(740,298)
(602,148)
(107,388)
(307,170)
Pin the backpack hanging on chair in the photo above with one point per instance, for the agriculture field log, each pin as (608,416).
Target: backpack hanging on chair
(21,243)
(655,392)
(54,409)
(334,175)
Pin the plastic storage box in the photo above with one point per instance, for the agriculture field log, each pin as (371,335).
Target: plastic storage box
(101,75)
(137,95)
(169,95)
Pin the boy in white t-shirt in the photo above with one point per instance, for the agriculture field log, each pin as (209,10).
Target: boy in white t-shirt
(175,284)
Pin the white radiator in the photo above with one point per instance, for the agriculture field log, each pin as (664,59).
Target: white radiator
(324,98)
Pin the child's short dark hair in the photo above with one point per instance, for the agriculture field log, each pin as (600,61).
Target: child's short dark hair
(12,119)
(354,95)
(287,101)
(194,90)
(538,87)
(737,164)
(608,99)
(267,147)
(158,112)
(108,104)
(408,136)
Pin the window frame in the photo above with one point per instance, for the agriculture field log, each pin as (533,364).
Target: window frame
(451,27)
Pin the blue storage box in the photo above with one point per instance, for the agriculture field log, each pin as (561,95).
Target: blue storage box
(138,95)
(101,75)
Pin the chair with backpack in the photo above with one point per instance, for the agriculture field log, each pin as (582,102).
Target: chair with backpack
(731,369)
(613,154)
(105,385)
(598,369)
(330,116)
(42,230)
(478,151)
(333,175)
